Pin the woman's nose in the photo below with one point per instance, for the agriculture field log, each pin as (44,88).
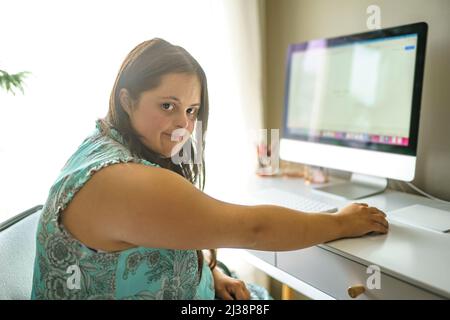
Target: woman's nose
(182,121)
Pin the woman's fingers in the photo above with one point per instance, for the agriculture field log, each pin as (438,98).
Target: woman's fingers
(246,293)
(361,204)
(372,209)
(240,291)
(233,290)
(381,220)
(376,210)
(224,295)
(242,294)
(378,227)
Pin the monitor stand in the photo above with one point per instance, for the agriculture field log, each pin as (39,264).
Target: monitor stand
(359,186)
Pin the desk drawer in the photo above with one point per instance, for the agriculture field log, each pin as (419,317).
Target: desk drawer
(267,256)
(334,274)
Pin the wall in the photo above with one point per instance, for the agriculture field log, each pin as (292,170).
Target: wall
(290,21)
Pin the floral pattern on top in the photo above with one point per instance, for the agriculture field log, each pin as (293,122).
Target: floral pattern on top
(65,268)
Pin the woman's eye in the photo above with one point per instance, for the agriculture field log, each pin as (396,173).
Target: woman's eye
(192,111)
(167,106)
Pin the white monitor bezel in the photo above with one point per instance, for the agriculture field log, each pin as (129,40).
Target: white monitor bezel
(395,166)
(387,162)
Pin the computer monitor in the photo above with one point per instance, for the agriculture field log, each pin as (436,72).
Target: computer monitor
(353,103)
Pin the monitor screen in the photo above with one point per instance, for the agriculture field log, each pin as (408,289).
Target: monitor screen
(359,91)
(353,103)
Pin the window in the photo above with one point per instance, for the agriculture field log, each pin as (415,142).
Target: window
(73,50)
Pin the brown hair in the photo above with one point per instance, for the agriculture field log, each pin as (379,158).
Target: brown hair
(142,70)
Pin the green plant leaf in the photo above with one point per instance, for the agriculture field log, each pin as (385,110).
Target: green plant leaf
(14,81)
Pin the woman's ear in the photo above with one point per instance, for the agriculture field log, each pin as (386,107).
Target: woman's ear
(125,101)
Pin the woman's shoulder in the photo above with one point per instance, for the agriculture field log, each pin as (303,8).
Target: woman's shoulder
(100,149)
(95,153)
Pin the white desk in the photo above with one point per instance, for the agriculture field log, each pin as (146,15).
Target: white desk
(414,263)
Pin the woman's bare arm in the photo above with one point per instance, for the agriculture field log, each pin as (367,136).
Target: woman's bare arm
(153,207)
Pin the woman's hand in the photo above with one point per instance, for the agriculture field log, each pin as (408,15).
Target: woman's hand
(358,219)
(228,288)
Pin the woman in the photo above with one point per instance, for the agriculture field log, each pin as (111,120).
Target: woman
(124,220)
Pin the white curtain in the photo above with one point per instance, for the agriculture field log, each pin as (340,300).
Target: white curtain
(236,85)
(74,49)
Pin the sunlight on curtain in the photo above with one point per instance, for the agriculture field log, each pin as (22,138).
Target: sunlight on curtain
(236,96)
(74,49)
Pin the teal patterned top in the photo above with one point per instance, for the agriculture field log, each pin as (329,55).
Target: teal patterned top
(65,268)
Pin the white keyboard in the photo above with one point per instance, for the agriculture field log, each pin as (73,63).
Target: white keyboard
(292,201)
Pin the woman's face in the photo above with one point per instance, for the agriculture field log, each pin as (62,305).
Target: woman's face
(159,112)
